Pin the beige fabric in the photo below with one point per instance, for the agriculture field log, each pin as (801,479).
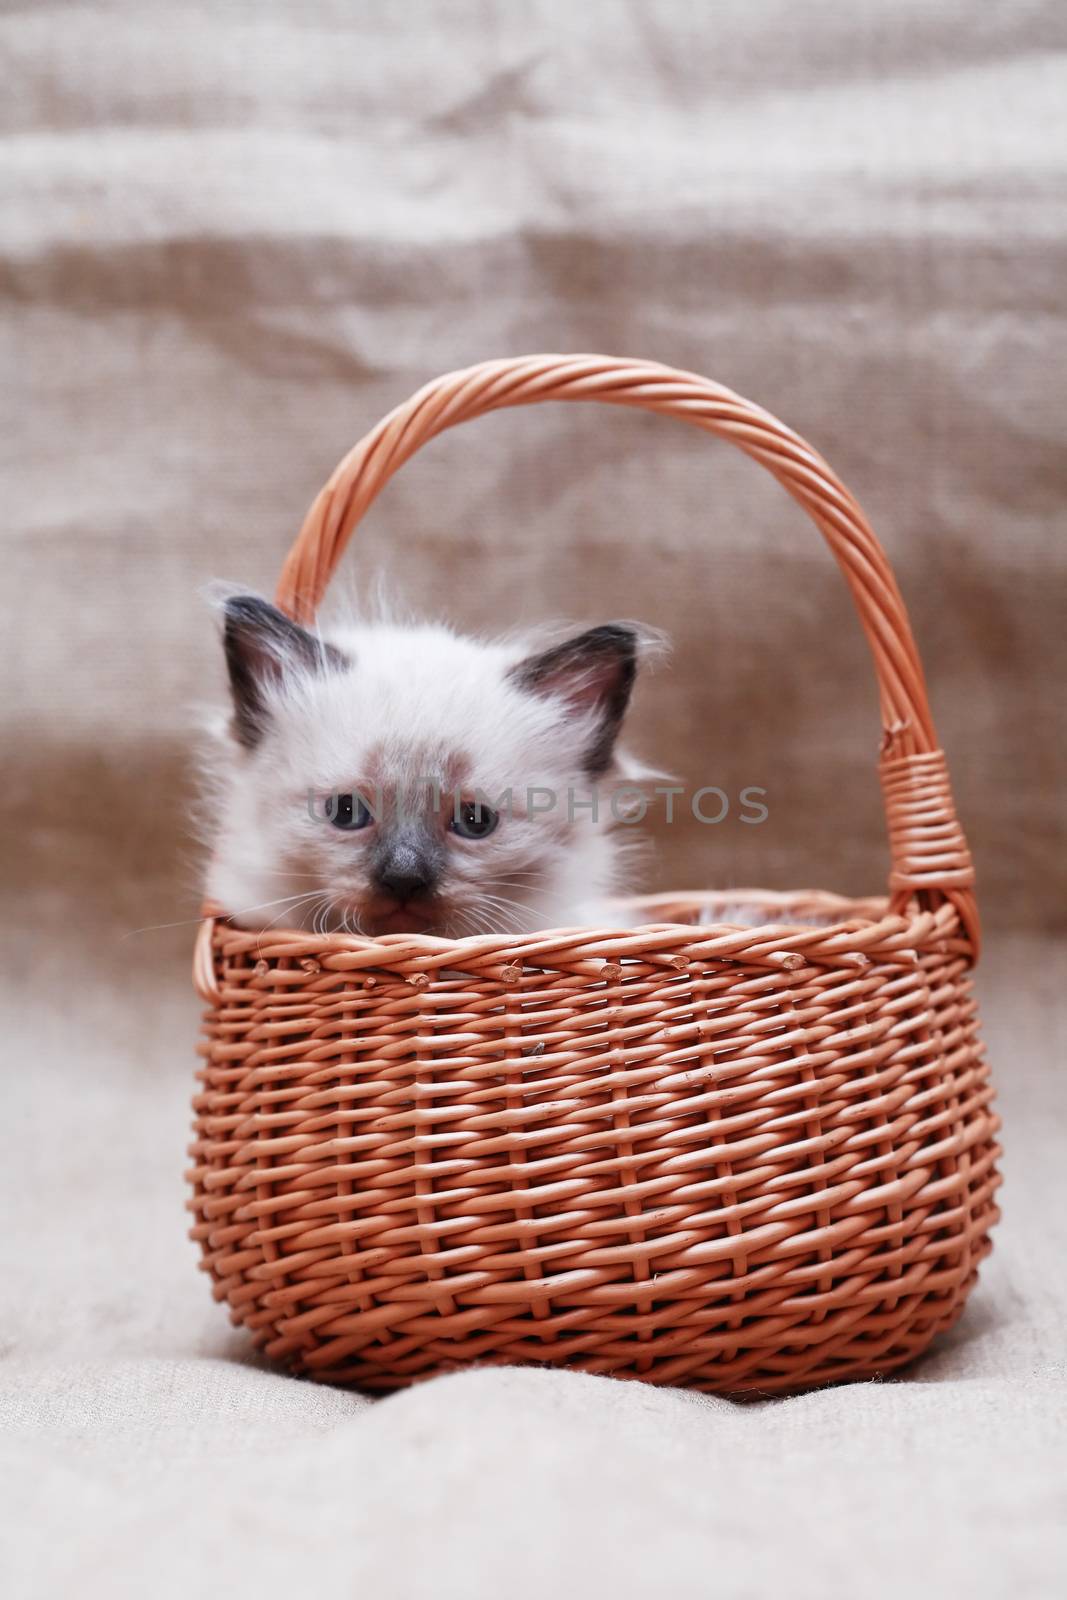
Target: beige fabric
(144,1452)
(233,236)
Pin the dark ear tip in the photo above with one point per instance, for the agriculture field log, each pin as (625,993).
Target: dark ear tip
(614,642)
(615,635)
(249,611)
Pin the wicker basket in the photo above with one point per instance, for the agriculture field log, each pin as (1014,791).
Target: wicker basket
(746,1159)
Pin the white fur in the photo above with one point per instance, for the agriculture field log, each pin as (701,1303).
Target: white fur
(417,701)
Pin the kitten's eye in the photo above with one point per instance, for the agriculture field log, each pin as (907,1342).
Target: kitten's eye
(474,821)
(348,811)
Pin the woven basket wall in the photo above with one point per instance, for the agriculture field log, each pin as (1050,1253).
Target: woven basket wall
(746,1159)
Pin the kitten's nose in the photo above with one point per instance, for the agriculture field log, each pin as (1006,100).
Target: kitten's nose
(405,871)
(404,884)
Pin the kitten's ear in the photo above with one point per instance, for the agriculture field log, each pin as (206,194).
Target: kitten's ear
(263,646)
(594,674)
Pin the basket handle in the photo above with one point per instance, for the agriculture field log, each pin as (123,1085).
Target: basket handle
(929,855)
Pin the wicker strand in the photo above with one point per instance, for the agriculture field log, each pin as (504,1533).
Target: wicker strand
(927,845)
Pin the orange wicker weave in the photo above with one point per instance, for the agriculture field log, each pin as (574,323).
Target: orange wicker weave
(742,1159)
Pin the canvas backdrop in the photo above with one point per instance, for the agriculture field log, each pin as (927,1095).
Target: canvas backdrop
(232,237)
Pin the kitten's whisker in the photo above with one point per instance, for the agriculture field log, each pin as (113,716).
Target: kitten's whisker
(303,903)
(467,923)
(517,880)
(350,923)
(188,922)
(291,872)
(500,915)
(487,897)
(159,927)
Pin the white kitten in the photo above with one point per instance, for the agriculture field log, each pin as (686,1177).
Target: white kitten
(397,779)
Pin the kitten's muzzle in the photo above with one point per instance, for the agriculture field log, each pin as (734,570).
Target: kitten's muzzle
(407,866)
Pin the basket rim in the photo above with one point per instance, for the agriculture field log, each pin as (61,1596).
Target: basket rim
(865,931)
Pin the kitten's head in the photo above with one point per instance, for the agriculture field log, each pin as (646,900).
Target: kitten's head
(405,779)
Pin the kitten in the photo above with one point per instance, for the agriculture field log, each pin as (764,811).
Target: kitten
(400,779)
